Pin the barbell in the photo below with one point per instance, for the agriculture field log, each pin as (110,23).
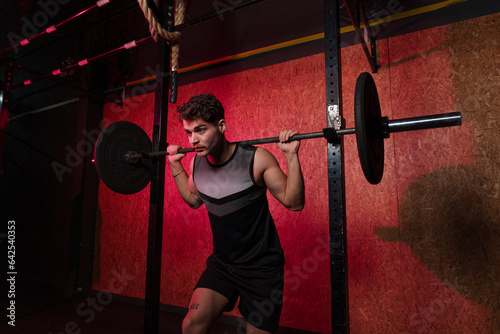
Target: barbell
(123,150)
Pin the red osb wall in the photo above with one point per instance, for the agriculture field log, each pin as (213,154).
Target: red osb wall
(404,277)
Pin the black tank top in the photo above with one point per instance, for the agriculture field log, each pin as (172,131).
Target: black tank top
(244,234)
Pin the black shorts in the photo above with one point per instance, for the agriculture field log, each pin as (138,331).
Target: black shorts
(261,294)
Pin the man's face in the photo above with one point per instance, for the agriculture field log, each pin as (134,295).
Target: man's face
(203,136)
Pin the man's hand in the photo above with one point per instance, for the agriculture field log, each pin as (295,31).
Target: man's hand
(173,157)
(288,146)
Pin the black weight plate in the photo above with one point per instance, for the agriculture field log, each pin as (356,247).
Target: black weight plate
(368,124)
(115,141)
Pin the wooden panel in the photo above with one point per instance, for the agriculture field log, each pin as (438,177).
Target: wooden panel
(423,244)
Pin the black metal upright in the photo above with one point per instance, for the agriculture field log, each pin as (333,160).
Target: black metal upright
(7,84)
(336,182)
(157,192)
(5,89)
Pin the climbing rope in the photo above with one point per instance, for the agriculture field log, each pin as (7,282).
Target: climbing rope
(157,29)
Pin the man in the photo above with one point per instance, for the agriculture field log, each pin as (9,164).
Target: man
(232,180)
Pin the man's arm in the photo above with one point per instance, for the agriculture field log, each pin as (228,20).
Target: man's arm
(287,189)
(184,182)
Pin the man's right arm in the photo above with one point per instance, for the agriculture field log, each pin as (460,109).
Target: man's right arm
(183,181)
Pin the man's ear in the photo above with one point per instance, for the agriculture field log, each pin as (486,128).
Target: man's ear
(222,126)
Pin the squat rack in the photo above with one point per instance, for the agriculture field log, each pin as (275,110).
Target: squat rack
(336,179)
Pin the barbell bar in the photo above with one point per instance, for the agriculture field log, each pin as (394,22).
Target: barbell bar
(397,125)
(123,151)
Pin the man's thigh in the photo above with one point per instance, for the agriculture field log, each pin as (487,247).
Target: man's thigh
(206,305)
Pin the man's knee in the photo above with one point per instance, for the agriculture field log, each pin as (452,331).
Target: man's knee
(193,324)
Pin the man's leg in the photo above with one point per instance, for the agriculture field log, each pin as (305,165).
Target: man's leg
(252,330)
(204,308)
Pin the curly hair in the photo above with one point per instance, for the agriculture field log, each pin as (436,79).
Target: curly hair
(204,106)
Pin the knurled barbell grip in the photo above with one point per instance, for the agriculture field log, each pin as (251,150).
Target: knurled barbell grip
(300,136)
(132,157)
(327,132)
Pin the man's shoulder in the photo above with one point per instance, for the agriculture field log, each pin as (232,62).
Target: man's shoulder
(264,157)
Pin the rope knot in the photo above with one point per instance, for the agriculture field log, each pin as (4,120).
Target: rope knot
(157,29)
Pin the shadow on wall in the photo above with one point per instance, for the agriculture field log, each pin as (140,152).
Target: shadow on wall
(450,220)
(451,217)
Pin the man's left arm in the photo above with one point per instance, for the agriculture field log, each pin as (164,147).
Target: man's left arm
(288,189)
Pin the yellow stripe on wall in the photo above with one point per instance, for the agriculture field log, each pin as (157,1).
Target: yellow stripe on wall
(302,40)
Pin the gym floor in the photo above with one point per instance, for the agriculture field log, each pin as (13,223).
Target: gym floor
(49,311)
